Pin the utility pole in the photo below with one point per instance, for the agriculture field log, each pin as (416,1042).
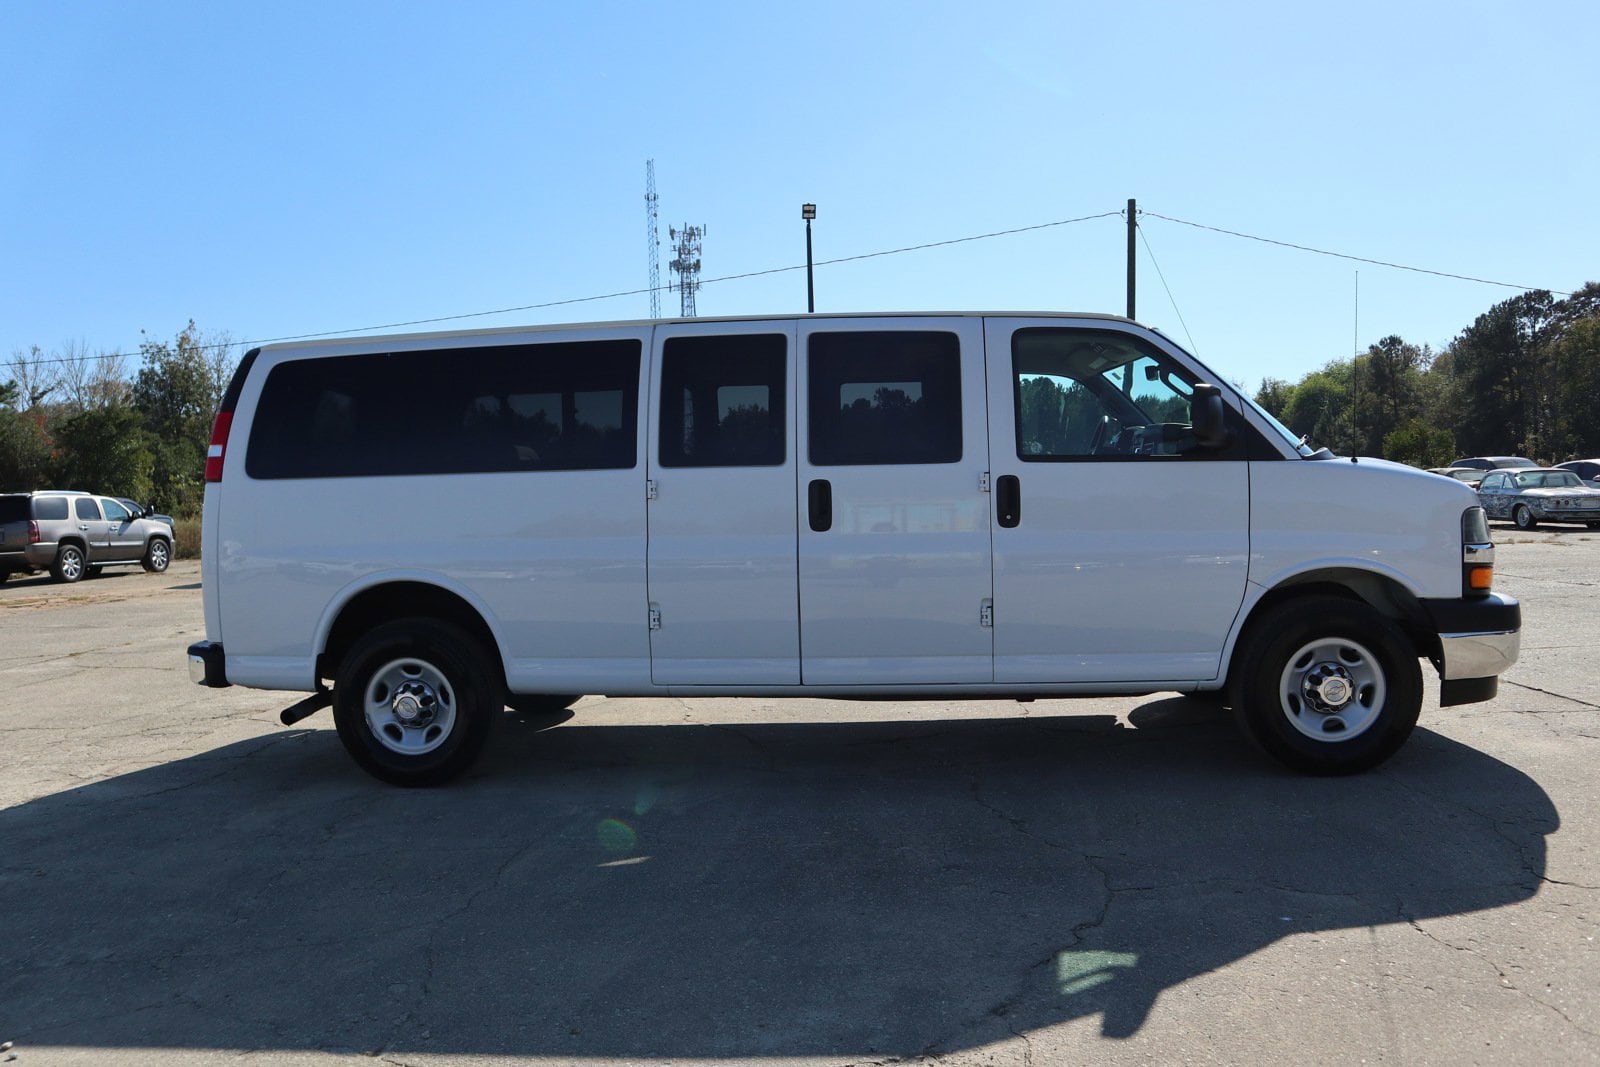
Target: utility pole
(1133,226)
(809,212)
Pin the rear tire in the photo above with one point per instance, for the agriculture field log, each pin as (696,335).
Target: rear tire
(414,700)
(69,564)
(1523,517)
(1327,685)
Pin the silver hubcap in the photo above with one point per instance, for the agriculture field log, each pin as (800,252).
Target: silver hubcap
(158,555)
(1332,689)
(71,565)
(410,706)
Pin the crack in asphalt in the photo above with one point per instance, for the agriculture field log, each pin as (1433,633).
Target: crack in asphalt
(1548,693)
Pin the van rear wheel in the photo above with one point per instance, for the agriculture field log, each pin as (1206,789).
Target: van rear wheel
(1327,685)
(414,700)
(69,565)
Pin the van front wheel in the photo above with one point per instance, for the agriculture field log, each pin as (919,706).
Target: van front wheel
(1328,685)
(414,700)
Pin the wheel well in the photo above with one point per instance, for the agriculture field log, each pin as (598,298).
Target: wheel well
(398,600)
(1383,595)
(76,542)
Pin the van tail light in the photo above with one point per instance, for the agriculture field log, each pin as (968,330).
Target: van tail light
(33,532)
(218,449)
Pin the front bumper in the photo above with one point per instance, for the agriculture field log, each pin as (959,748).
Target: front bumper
(208,665)
(1479,638)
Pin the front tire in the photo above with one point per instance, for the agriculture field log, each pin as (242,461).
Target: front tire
(157,556)
(414,700)
(69,565)
(1327,685)
(1523,517)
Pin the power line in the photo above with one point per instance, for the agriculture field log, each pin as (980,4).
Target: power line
(1342,255)
(613,296)
(1170,298)
(435,320)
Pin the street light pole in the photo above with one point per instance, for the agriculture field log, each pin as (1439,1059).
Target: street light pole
(809,212)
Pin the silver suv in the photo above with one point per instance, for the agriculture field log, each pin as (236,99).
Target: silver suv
(74,534)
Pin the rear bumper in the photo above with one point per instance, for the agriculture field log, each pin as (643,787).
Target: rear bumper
(1479,638)
(208,665)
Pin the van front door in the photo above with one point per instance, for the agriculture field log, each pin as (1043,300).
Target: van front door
(1120,544)
(895,582)
(724,608)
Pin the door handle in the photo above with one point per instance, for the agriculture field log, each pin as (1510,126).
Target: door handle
(819,497)
(1008,500)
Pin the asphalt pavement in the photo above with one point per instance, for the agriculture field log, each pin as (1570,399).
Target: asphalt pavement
(1109,881)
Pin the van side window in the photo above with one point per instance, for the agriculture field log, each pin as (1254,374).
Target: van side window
(884,397)
(84,508)
(540,407)
(115,512)
(1083,394)
(722,401)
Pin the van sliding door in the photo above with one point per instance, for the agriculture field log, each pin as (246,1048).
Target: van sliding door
(724,609)
(895,581)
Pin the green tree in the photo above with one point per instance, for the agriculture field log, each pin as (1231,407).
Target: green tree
(104,450)
(176,392)
(1320,409)
(1387,390)
(26,447)
(1419,444)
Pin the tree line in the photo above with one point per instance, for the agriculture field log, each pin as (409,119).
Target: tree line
(71,419)
(1523,379)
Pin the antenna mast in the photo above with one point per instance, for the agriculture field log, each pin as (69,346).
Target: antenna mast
(687,265)
(652,237)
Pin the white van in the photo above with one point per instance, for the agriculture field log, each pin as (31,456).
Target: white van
(918,505)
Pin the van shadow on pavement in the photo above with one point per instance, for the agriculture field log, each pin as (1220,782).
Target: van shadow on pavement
(717,891)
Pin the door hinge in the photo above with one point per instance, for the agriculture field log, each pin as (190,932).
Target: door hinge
(655,617)
(983,483)
(986,614)
(650,489)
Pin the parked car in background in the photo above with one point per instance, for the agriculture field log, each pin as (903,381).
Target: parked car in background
(144,512)
(1471,475)
(1494,463)
(1529,497)
(1587,469)
(73,534)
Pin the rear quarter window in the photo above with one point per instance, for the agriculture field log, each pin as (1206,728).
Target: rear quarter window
(543,407)
(49,507)
(14,509)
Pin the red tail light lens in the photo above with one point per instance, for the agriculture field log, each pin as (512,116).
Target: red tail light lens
(219,445)
(33,532)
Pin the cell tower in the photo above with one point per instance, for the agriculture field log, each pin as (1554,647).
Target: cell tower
(652,237)
(687,265)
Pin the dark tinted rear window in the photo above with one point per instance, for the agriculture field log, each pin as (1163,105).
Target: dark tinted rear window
(14,509)
(561,406)
(49,507)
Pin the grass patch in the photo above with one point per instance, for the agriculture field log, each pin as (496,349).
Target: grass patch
(186,532)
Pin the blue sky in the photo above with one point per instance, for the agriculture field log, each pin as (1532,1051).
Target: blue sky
(284,169)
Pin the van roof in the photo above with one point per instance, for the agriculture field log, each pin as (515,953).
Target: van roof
(562,327)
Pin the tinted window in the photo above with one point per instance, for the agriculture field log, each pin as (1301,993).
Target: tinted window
(1083,394)
(116,512)
(14,509)
(85,508)
(49,507)
(722,401)
(884,397)
(560,406)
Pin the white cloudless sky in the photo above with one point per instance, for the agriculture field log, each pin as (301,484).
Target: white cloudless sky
(295,168)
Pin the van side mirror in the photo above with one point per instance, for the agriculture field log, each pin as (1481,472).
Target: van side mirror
(1209,416)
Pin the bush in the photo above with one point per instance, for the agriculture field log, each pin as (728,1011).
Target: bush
(186,532)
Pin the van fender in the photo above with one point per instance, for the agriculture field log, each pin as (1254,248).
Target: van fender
(1384,588)
(347,595)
